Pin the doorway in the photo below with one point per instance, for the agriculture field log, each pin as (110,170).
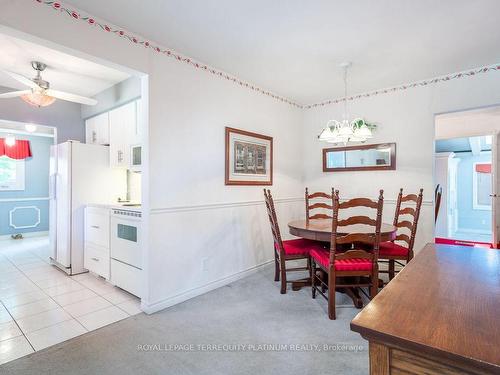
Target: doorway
(466,174)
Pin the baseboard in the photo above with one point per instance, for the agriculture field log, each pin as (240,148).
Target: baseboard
(26,235)
(174,300)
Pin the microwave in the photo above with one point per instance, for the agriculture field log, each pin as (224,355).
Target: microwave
(136,158)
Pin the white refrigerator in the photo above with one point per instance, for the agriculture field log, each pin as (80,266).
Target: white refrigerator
(80,174)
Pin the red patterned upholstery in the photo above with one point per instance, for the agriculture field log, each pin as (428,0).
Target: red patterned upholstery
(392,249)
(323,257)
(300,246)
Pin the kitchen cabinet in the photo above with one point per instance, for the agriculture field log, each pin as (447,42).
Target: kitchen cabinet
(97,241)
(122,134)
(97,129)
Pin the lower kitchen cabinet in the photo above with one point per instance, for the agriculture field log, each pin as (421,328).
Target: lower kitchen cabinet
(126,277)
(97,260)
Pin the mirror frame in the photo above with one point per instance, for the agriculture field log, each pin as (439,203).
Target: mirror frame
(362,147)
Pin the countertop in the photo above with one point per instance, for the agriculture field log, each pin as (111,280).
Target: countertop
(118,206)
(444,303)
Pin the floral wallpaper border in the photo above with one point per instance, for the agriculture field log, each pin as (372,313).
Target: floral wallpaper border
(93,22)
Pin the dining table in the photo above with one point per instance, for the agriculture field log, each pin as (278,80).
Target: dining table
(321,230)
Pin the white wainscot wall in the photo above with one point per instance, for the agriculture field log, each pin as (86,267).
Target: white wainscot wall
(205,247)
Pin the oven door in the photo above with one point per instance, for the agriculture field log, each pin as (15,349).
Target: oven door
(125,241)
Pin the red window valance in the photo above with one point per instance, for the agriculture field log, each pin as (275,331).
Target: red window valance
(483,168)
(20,150)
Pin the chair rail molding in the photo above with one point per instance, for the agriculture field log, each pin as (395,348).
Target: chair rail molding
(2,200)
(11,217)
(213,206)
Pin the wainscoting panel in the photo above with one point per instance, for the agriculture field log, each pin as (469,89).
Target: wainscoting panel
(200,248)
(24,216)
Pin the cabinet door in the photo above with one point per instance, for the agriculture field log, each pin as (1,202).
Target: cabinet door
(103,128)
(97,226)
(90,131)
(97,129)
(97,260)
(121,129)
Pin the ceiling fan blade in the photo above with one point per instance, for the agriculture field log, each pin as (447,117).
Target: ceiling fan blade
(14,94)
(71,97)
(24,80)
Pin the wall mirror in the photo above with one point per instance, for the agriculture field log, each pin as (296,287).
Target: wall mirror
(380,156)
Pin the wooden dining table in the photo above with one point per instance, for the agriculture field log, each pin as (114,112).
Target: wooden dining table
(321,230)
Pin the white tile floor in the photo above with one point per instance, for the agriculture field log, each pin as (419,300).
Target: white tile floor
(41,306)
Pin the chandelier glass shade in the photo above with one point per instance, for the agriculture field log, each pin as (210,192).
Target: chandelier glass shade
(38,99)
(345,131)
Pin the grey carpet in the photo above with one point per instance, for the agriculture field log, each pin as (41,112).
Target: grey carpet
(250,311)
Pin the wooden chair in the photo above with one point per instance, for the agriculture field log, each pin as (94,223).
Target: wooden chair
(318,205)
(287,250)
(437,201)
(391,252)
(358,263)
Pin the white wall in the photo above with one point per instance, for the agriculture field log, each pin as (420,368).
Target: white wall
(195,218)
(407,118)
(470,123)
(193,215)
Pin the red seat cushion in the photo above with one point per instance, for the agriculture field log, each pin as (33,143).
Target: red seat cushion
(323,257)
(392,249)
(300,246)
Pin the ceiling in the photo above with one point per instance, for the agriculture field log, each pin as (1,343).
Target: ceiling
(64,72)
(294,47)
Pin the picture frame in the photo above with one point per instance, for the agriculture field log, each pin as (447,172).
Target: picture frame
(249,158)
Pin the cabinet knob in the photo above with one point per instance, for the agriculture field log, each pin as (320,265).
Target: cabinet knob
(95,259)
(95,226)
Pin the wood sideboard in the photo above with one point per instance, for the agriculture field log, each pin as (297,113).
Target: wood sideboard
(439,315)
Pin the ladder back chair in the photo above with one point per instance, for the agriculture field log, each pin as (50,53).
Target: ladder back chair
(357,266)
(311,206)
(438,193)
(406,221)
(287,250)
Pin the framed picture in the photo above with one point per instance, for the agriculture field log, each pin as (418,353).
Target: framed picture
(249,158)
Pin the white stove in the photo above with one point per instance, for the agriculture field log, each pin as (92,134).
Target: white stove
(126,250)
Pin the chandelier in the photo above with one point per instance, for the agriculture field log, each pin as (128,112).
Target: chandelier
(357,130)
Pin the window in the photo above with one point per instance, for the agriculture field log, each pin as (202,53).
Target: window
(481,186)
(11,174)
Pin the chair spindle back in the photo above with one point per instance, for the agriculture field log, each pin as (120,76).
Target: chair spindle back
(318,205)
(412,208)
(359,240)
(273,220)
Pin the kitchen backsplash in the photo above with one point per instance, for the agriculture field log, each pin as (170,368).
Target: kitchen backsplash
(135,187)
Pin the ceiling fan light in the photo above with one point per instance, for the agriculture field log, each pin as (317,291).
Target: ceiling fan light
(10,140)
(38,99)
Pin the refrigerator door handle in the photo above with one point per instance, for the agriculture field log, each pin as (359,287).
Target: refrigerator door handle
(52,186)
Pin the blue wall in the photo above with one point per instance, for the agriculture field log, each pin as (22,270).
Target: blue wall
(36,185)
(469,218)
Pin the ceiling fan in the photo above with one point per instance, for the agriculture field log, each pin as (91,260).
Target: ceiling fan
(39,93)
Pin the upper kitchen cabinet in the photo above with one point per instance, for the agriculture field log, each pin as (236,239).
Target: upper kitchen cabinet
(122,134)
(97,129)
